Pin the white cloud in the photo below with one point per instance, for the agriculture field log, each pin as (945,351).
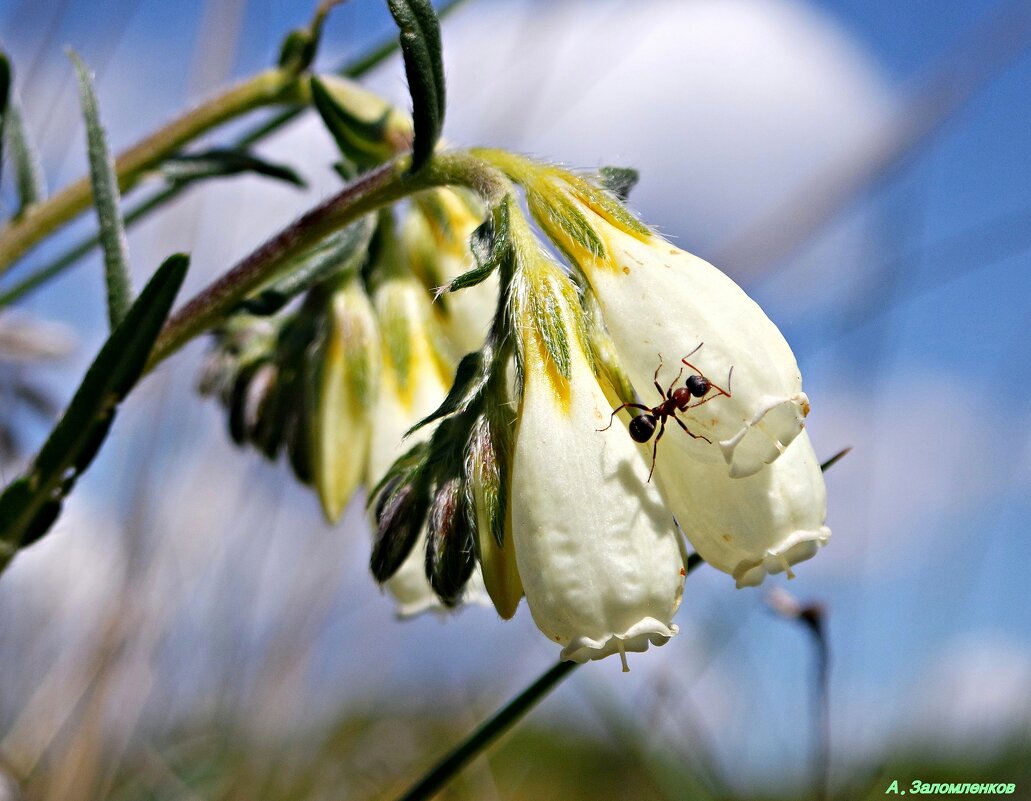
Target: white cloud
(727,107)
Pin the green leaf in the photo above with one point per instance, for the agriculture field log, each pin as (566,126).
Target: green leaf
(30,505)
(361,141)
(28,172)
(469,377)
(424,68)
(619,180)
(490,246)
(221,162)
(337,254)
(5,95)
(105,198)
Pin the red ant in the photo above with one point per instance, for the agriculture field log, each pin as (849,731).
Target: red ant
(696,386)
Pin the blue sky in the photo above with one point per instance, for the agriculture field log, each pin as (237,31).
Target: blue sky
(909,316)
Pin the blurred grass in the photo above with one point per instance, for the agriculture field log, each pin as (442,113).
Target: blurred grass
(376,754)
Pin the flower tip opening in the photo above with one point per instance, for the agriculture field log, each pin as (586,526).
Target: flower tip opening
(636,639)
(764,438)
(798,547)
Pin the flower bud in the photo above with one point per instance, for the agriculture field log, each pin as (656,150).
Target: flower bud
(367,129)
(488,468)
(436,235)
(345,367)
(414,378)
(450,559)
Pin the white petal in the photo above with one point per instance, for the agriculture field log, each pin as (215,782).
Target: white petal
(752,526)
(600,560)
(657,299)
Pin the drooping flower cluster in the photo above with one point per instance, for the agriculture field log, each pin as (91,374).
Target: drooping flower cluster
(604,410)
(575,521)
(337,381)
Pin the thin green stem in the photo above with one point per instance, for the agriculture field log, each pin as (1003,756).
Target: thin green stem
(353,69)
(371,191)
(82,248)
(478,742)
(480,739)
(39,221)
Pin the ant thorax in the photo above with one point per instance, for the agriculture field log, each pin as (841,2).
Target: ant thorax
(697,389)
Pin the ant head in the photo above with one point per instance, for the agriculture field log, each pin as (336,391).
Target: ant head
(698,385)
(642,427)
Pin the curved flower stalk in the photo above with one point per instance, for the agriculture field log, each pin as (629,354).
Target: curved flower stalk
(346,359)
(660,302)
(436,234)
(597,551)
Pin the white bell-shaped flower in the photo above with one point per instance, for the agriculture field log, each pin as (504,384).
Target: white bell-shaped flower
(660,302)
(599,557)
(751,526)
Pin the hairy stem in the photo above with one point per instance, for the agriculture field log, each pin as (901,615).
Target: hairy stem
(39,221)
(371,191)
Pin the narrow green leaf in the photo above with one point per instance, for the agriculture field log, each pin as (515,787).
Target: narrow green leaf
(490,246)
(5,95)
(363,142)
(28,171)
(117,366)
(424,67)
(835,459)
(30,504)
(105,199)
(337,254)
(619,180)
(469,377)
(221,162)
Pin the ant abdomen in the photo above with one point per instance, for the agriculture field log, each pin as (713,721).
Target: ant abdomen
(642,427)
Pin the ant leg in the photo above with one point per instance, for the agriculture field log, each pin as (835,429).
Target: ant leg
(669,392)
(618,409)
(655,447)
(687,430)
